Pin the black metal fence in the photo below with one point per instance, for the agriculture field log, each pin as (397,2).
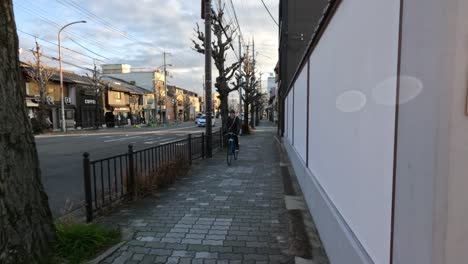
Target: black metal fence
(109,180)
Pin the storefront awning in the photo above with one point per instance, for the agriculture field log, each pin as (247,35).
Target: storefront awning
(30,103)
(121,109)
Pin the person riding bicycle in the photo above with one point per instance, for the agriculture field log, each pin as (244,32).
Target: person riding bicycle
(233,126)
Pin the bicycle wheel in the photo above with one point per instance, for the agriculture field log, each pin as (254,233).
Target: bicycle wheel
(229,155)
(236,153)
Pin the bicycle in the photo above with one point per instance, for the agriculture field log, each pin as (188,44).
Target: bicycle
(231,149)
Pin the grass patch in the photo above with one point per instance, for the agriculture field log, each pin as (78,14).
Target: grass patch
(79,242)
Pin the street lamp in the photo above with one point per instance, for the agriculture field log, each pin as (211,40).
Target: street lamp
(64,123)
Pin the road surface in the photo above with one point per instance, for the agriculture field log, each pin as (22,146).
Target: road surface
(62,161)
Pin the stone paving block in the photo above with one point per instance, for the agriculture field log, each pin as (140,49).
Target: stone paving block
(185,260)
(161,252)
(236,243)
(172,260)
(220,249)
(171,240)
(206,255)
(212,242)
(138,256)
(243,250)
(220,227)
(138,249)
(216,237)
(123,257)
(255,257)
(257,244)
(174,235)
(192,241)
(195,236)
(161,259)
(179,230)
(217,232)
(231,256)
(176,246)
(147,259)
(183,253)
(155,245)
(198,231)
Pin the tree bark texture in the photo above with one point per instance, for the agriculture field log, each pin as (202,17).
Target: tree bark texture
(26,225)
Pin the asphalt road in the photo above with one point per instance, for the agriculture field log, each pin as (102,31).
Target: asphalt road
(62,161)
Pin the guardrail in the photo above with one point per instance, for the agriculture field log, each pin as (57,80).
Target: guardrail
(110,180)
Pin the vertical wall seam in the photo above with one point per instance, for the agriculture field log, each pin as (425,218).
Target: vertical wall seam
(395,142)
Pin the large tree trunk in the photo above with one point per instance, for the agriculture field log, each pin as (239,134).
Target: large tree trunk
(26,227)
(257,116)
(224,110)
(252,116)
(245,125)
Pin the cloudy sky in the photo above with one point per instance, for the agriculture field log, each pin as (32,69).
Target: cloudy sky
(138,32)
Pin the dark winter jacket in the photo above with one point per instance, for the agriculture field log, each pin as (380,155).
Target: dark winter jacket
(233,125)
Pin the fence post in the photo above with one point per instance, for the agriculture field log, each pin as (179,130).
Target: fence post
(203,145)
(87,185)
(190,148)
(131,172)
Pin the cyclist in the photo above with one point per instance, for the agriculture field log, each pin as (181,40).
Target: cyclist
(233,126)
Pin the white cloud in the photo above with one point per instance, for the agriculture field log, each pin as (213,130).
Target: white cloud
(158,25)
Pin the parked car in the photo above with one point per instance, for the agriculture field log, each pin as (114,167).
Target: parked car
(197,117)
(201,122)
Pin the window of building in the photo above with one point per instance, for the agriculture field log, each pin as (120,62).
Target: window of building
(117,95)
(28,92)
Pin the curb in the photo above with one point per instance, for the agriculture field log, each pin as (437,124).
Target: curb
(302,232)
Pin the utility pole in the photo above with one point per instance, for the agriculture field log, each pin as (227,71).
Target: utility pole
(39,69)
(240,88)
(165,84)
(204,99)
(209,105)
(252,109)
(258,101)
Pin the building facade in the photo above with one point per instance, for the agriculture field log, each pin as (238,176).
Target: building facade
(374,119)
(150,80)
(82,101)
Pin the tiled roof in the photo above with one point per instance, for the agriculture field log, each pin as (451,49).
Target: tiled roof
(122,86)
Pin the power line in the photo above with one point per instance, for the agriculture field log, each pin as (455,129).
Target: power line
(268,10)
(65,62)
(57,26)
(74,41)
(109,26)
(50,42)
(237,20)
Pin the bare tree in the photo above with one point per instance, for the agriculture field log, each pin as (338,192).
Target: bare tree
(26,226)
(220,47)
(99,91)
(187,103)
(41,75)
(250,92)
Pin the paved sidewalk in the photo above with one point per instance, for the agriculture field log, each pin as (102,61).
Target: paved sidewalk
(218,214)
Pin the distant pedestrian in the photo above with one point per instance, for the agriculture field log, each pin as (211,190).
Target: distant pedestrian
(49,123)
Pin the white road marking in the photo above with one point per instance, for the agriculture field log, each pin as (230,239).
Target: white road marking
(121,139)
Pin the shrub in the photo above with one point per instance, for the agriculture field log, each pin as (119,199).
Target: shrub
(163,176)
(78,242)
